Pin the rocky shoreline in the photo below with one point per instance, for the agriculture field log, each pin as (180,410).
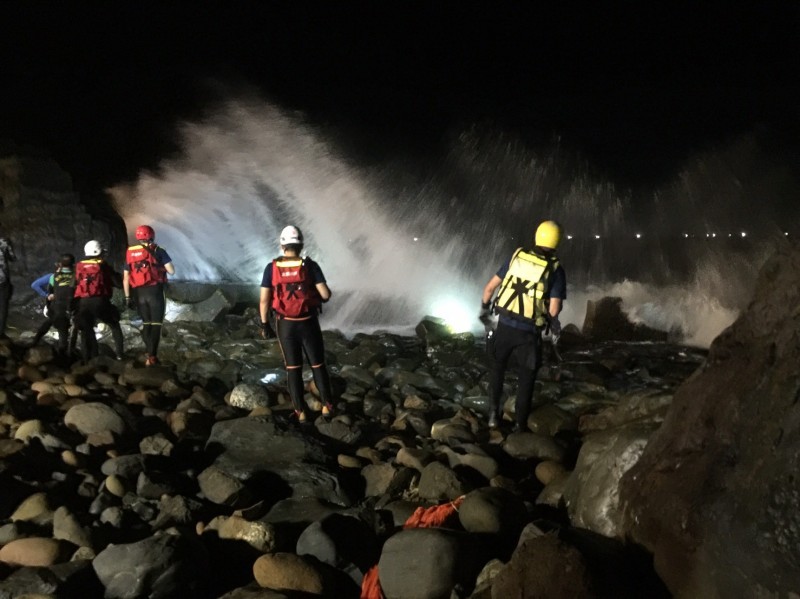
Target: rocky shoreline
(192,480)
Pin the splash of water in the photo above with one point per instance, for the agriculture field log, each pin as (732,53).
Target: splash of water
(397,244)
(249,170)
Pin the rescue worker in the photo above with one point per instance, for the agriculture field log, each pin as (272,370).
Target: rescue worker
(531,288)
(6,255)
(60,295)
(95,280)
(145,275)
(294,289)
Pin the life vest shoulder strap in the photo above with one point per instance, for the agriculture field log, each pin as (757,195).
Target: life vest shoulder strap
(288,261)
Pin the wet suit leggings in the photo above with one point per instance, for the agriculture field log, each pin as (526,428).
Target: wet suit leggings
(90,310)
(151,303)
(526,347)
(59,318)
(296,339)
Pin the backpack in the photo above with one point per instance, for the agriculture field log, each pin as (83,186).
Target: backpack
(522,292)
(145,268)
(293,293)
(92,279)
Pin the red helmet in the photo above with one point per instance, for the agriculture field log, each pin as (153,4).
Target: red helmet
(145,233)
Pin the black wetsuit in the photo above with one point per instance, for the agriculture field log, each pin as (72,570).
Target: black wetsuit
(521,339)
(151,303)
(62,286)
(150,298)
(296,338)
(302,336)
(96,308)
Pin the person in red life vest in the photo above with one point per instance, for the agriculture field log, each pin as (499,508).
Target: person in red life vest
(146,269)
(293,289)
(95,280)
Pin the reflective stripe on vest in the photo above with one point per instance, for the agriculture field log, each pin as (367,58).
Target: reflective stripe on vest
(63,283)
(522,292)
(63,278)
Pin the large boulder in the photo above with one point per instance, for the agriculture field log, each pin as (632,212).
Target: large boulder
(45,217)
(606,321)
(212,309)
(592,491)
(427,562)
(544,567)
(277,462)
(715,495)
(163,565)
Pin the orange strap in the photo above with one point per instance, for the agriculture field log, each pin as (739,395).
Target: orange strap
(437,515)
(371,585)
(430,517)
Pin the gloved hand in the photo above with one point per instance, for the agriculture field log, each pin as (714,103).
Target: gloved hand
(267,331)
(555,327)
(129,303)
(485,314)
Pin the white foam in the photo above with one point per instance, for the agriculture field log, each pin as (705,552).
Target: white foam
(397,244)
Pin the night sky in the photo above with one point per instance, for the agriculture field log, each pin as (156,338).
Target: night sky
(633,86)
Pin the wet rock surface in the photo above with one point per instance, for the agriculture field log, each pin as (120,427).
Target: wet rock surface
(715,494)
(130,481)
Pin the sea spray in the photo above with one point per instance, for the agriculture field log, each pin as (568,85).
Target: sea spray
(398,240)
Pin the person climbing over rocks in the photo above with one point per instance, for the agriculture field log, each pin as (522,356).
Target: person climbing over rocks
(293,289)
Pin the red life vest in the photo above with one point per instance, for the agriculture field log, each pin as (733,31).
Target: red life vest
(293,294)
(145,270)
(92,279)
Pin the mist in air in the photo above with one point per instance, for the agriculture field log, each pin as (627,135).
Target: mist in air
(402,238)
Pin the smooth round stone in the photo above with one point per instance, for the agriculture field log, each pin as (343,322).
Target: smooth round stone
(115,485)
(348,461)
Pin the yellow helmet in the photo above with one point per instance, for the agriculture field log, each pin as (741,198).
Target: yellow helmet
(548,234)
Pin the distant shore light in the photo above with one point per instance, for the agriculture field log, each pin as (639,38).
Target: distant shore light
(638,236)
(597,237)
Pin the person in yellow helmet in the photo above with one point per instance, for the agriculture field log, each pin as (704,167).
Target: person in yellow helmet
(531,288)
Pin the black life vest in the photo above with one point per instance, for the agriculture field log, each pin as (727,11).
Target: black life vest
(63,285)
(93,279)
(293,293)
(145,269)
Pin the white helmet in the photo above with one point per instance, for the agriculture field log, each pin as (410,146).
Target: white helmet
(291,235)
(92,248)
